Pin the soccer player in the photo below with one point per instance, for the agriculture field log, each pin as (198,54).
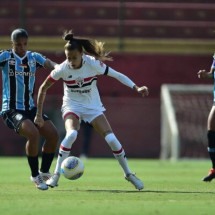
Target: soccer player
(19,68)
(81,100)
(211,124)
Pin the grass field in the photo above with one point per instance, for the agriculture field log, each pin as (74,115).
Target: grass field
(170,188)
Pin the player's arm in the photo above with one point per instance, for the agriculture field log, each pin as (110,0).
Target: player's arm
(40,100)
(50,64)
(206,75)
(126,81)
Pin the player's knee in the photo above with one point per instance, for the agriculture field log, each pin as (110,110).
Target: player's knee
(70,138)
(211,140)
(113,142)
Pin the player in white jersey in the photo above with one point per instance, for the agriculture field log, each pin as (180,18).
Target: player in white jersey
(81,100)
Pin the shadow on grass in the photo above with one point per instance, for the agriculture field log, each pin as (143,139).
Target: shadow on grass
(179,192)
(141,191)
(102,191)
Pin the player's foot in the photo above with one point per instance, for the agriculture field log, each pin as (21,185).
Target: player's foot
(45,175)
(210,176)
(39,183)
(135,181)
(53,181)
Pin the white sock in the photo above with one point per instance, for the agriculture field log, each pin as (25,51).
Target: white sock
(61,157)
(65,148)
(118,152)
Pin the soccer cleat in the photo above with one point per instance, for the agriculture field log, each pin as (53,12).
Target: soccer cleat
(45,176)
(135,181)
(210,176)
(39,183)
(53,181)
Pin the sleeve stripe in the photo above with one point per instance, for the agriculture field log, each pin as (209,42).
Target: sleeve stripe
(106,70)
(51,79)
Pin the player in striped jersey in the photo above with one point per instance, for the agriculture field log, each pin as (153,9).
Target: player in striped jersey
(81,100)
(19,67)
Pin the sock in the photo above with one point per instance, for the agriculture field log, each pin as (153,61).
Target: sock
(65,148)
(61,157)
(34,165)
(118,152)
(211,147)
(47,159)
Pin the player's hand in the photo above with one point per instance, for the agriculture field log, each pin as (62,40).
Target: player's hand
(202,74)
(38,120)
(143,90)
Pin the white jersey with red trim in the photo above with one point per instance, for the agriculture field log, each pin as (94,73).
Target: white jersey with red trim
(80,85)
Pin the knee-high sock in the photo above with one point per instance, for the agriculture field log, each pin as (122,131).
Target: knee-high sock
(118,152)
(65,148)
(211,147)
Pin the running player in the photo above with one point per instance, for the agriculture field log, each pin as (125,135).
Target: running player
(19,68)
(210,125)
(81,100)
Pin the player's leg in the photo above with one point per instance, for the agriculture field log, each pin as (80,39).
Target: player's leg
(103,127)
(72,126)
(31,133)
(211,144)
(50,134)
(19,121)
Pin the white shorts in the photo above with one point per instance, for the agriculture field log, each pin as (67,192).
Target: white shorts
(81,113)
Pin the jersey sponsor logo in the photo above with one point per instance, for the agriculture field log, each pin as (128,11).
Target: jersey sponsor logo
(81,91)
(11,73)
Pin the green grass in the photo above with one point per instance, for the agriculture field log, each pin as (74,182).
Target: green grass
(170,188)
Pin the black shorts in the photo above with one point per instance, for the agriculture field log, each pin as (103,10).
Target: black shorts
(14,118)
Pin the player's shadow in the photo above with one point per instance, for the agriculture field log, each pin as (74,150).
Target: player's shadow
(142,191)
(102,191)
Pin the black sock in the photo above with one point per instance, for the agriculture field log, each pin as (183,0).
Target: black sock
(47,159)
(211,147)
(34,165)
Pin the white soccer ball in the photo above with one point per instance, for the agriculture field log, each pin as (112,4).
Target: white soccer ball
(72,168)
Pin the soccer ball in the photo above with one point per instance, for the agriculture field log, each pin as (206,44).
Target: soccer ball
(72,168)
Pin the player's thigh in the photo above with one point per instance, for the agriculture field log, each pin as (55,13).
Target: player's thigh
(211,119)
(29,130)
(101,125)
(49,131)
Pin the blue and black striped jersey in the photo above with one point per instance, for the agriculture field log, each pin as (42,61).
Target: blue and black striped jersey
(18,79)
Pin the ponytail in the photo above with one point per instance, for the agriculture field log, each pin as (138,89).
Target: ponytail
(91,47)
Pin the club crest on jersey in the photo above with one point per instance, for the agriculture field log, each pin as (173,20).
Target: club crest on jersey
(32,63)
(12,62)
(79,81)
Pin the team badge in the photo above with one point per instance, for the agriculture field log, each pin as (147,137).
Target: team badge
(79,81)
(32,63)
